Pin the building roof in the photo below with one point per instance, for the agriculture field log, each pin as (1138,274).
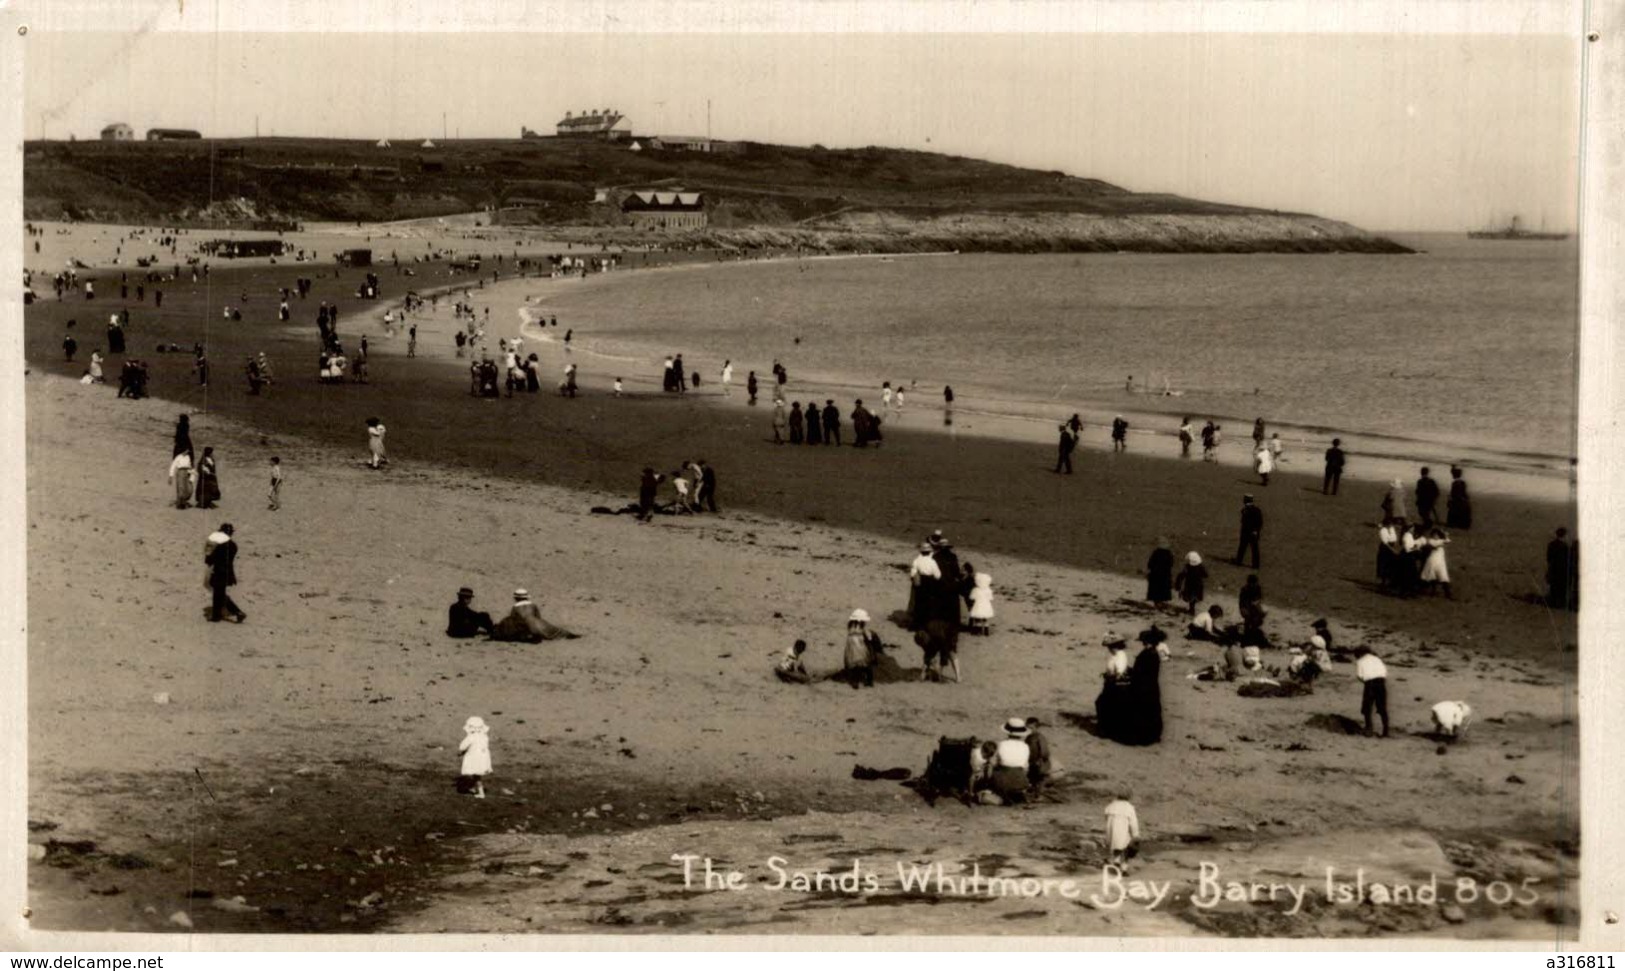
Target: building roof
(595,122)
(115,125)
(644,199)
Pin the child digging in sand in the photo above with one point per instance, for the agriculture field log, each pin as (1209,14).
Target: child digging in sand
(476,749)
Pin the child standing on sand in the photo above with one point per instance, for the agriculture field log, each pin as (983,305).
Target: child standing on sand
(276,483)
(476,749)
(375,442)
(1122,829)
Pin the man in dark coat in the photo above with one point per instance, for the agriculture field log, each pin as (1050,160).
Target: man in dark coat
(646,493)
(1558,559)
(222,563)
(1334,468)
(1427,499)
(708,486)
(463,620)
(1252,526)
(946,602)
(832,423)
(1069,442)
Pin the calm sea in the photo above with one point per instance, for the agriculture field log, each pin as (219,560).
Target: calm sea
(1469,344)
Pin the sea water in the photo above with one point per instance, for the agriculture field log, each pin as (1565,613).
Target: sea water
(1468,344)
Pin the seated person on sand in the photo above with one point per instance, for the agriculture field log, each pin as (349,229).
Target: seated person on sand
(981,764)
(790,667)
(1301,672)
(1231,666)
(1007,778)
(1207,625)
(862,645)
(463,620)
(1040,768)
(525,623)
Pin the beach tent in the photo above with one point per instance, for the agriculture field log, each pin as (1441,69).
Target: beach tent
(635,147)
(383,143)
(426,144)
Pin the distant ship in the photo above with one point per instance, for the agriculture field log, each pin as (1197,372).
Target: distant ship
(1513,231)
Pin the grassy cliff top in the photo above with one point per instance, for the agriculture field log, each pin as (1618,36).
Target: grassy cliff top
(337,179)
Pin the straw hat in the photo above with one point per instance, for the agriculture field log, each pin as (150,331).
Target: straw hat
(521,594)
(474,724)
(1317,642)
(1016,727)
(859,616)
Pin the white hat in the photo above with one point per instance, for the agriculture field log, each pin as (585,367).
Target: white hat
(859,616)
(1317,642)
(1016,728)
(474,724)
(1193,558)
(521,594)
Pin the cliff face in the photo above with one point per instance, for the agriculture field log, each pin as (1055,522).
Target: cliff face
(758,196)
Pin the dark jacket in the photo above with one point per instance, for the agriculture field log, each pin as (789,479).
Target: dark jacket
(1252,520)
(1334,459)
(465,621)
(1427,493)
(1159,572)
(222,561)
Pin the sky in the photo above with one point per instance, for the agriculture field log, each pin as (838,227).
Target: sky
(1389,131)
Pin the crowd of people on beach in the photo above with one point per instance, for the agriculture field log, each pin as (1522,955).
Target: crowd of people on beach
(946,599)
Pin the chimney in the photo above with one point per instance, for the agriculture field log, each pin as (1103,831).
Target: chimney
(566,116)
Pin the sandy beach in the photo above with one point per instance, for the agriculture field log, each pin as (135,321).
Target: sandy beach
(323,732)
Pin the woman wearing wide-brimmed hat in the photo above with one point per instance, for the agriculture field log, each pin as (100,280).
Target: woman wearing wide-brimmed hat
(1011,759)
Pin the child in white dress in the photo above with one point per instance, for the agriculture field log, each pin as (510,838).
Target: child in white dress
(476,749)
(981,603)
(1122,829)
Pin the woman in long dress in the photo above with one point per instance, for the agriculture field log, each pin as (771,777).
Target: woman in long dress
(1458,508)
(1112,704)
(1387,552)
(180,473)
(780,422)
(1393,503)
(1192,581)
(1159,574)
(208,480)
(1143,721)
(183,439)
